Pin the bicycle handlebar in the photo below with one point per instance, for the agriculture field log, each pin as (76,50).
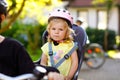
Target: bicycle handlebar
(20,77)
(38,74)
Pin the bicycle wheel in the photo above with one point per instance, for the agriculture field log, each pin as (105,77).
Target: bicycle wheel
(95,56)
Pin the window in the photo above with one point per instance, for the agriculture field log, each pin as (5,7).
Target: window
(102,19)
(84,16)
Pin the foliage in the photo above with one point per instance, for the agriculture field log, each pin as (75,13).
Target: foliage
(118,40)
(108,4)
(38,10)
(14,16)
(34,35)
(28,34)
(97,36)
(17,32)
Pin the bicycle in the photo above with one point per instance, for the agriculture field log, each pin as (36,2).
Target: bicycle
(94,56)
(39,73)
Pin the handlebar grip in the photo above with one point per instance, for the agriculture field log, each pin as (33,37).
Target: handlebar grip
(5,77)
(39,72)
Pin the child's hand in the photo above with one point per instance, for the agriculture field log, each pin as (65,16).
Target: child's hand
(55,76)
(67,78)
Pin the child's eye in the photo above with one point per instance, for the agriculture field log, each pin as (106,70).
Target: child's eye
(53,28)
(61,29)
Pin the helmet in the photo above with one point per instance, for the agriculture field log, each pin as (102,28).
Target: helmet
(3,3)
(61,13)
(3,7)
(80,19)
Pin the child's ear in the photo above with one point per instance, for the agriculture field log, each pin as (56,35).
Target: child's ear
(2,17)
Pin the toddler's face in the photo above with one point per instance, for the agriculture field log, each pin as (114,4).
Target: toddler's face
(58,31)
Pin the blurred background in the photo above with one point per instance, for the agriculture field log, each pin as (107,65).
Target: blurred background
(27,20)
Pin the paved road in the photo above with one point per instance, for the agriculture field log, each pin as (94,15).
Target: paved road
(109,71)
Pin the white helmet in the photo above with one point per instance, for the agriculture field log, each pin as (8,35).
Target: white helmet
(81,19)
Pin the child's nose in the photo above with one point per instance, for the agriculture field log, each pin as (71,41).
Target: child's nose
(56,31)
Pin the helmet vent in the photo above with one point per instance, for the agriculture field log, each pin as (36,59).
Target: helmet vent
(64,11)
(58,10)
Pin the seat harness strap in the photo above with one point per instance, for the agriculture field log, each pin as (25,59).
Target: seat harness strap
(64,58)
(51,54)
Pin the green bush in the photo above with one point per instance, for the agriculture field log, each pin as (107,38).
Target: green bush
(29,35)
(17,32)
(97,36)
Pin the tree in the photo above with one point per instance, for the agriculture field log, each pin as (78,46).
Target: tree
(35,10)
(108,4)
(22,8)
(14,16)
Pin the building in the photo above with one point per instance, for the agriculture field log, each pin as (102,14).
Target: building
(96,16)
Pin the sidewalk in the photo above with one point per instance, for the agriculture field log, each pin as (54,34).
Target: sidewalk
(109,71)
(117,55)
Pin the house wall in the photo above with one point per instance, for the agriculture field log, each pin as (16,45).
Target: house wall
(114,20)
(91,16)
(93,19)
